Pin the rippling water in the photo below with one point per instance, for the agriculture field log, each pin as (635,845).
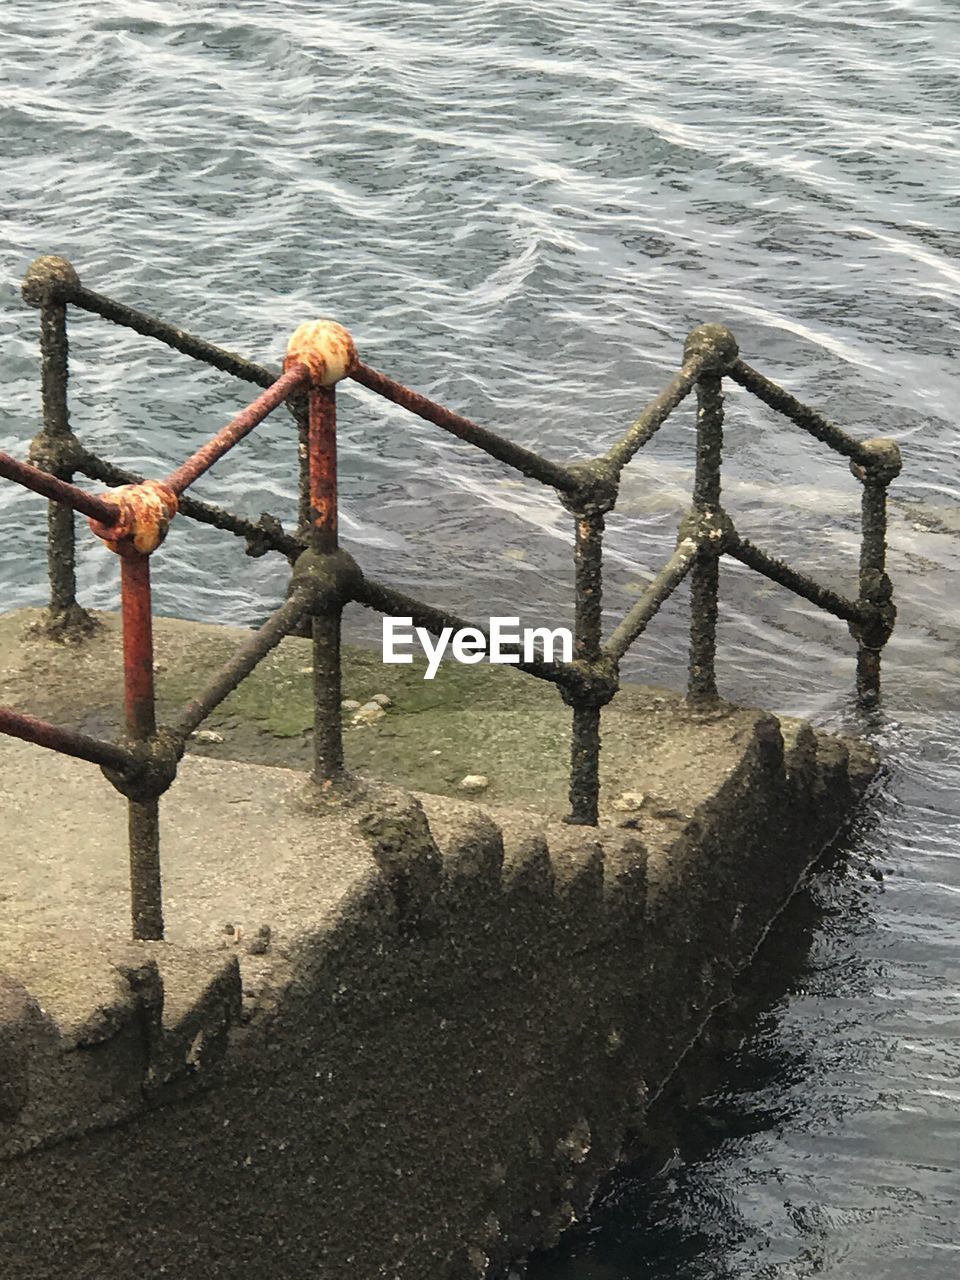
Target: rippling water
(521,210)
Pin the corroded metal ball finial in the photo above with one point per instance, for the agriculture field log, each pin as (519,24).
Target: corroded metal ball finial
(145,512)
(49,279)
(325,348)
(716,343)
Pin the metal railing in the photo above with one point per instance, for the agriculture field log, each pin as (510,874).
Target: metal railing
(133,518)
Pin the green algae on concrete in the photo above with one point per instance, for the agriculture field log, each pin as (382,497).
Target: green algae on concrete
(479,719)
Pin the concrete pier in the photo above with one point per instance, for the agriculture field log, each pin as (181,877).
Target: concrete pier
(404,1036)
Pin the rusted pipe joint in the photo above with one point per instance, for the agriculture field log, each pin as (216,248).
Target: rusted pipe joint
(715,345)
(589,684)
(145,513)
(883,463)
(325,348)
(157,758)
(598,485)
(334,577)
(49,280)
(711,529)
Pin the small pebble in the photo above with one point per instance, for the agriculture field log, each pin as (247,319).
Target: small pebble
(382,700)
(369,713)
(629,801)
(207,735)
(350,704)
(474,782)
(260,945)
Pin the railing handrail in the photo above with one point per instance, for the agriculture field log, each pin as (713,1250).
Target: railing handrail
(133,518)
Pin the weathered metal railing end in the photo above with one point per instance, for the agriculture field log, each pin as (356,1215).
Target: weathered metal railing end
(879,463)
(49,284)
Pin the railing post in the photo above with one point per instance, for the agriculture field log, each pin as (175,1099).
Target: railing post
(304,505)
(324,541)
(299,407)
(585,738)
(329,353)
(718,344)
(705,576)
(881,466)
(48,285)
(143,815)
(144,512)
(592,678)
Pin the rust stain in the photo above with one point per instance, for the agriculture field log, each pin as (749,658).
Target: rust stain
(137,611)
(69,741)
(323,464)
(145,512)
(49,486)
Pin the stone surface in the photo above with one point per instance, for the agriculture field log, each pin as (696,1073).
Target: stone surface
(474,783)
(369,713)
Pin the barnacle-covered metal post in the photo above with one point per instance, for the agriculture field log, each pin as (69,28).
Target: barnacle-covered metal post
(879,463)
(144,515)
(717,348)
(326,351)
(592,679)
(585,737)
(49,284)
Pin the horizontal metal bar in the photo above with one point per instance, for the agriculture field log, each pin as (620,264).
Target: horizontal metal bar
(798,583)
(394,604)
(245,421)
(171,336)
(660,589)
(49,486)
(68,741)
(514,455)
(279,624)
(98,468)
(808,419)
(656,413)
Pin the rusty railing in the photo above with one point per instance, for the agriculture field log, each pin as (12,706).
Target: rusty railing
(132,519)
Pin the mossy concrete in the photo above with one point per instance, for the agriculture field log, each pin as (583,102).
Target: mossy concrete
(489,720)
(405,1036)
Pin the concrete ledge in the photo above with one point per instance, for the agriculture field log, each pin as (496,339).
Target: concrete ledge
(430,1028)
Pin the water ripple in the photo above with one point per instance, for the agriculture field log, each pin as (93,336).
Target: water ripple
(521,210)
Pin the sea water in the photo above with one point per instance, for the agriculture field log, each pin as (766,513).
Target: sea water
(521,210)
